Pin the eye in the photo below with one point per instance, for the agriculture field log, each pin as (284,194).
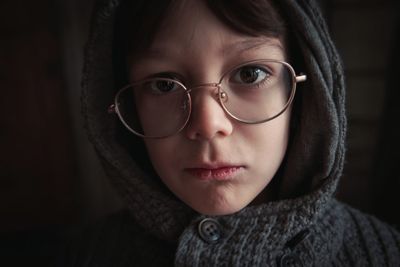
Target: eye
(164,86)
(250,75)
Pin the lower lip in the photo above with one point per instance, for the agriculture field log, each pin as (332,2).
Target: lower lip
(219,174)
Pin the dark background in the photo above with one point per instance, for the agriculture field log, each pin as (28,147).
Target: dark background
(49,175)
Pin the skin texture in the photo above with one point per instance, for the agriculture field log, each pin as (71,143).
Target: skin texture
(215,165)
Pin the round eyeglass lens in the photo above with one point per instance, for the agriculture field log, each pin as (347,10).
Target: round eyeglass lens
(154,108)
(258,91)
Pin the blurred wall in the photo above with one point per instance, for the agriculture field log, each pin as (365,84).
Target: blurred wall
(49,174)
(365,33)
(37,163)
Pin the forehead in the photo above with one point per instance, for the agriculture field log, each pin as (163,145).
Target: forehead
(190,26)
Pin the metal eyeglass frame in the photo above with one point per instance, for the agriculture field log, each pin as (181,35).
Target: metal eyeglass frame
(113,108)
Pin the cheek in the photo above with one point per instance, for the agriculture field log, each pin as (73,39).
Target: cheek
(268,142)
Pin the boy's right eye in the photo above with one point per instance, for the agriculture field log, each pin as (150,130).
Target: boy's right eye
(162,86)
(162,83)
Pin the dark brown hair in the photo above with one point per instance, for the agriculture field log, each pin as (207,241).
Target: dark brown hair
(254,18)
(137,22)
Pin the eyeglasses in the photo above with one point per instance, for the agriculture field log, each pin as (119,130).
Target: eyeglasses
(251,93)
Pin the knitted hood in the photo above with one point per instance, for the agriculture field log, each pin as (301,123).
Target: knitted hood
(315,156)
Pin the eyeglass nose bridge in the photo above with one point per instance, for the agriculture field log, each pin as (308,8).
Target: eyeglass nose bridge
(220,94)
(216,85)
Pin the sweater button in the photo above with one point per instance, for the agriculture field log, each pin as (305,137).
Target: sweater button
(289,259)
(210,230)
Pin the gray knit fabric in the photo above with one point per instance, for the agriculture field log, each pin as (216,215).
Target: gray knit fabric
(305,227)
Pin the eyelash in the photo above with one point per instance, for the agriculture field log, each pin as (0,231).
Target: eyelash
(263,82)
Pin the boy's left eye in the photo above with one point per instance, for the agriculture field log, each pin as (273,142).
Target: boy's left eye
(250,75)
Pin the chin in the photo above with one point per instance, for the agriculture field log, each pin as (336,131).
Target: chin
(219,211)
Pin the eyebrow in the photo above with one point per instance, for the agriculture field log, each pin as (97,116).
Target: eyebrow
(249,44)
(227,50)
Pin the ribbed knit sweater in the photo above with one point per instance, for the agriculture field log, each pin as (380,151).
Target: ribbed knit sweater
(338,236)
(306,226)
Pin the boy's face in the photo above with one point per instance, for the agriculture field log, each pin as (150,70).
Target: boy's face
(216,165)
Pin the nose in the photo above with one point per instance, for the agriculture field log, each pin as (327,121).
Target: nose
(208,119)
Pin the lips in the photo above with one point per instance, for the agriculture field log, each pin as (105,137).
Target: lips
(218,173)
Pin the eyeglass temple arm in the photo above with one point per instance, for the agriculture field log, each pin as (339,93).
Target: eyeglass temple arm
(301,78)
